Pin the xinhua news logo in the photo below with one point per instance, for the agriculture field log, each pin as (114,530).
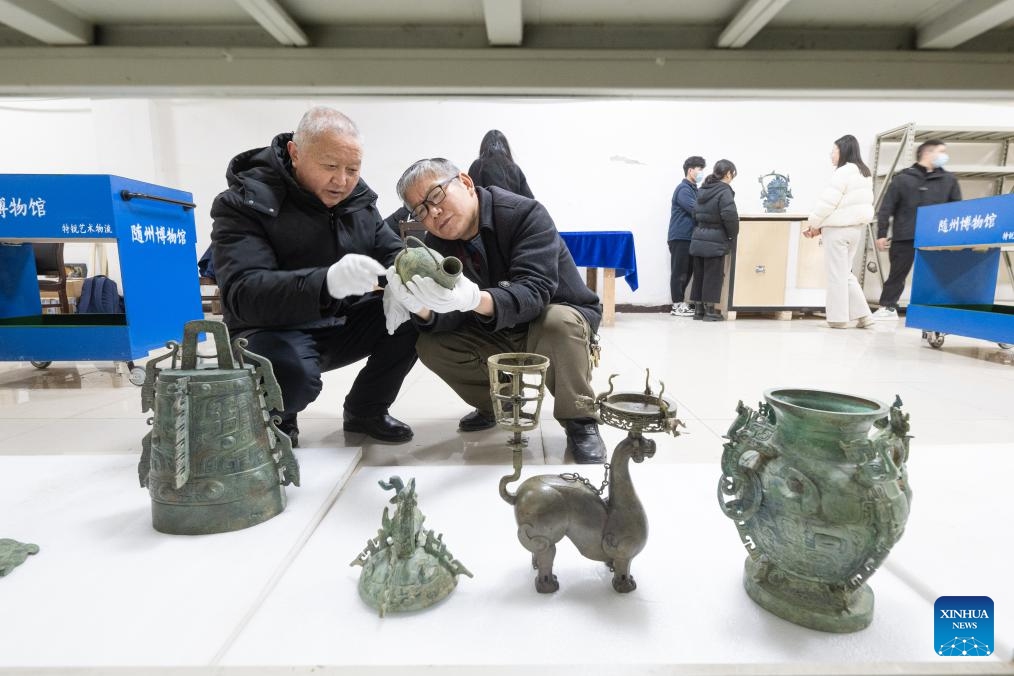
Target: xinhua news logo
(963,626)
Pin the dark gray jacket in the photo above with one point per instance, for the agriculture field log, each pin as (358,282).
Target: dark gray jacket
(527,266)
(717,220)
(274,242)
(910,189)
(496,169)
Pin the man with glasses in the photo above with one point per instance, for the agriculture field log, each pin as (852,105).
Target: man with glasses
(519,292)
(299,248)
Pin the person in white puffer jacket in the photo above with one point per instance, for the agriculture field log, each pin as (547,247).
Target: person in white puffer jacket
(844,207)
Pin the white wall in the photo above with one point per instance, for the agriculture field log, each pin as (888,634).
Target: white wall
(597,164)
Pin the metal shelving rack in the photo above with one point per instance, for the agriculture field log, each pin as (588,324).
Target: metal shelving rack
(871,261)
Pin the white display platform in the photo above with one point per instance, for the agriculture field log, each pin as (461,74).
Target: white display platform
(689,610)
(107,589)
(107,594)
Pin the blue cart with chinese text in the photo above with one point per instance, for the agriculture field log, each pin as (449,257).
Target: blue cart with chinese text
(958,248)
(153,229)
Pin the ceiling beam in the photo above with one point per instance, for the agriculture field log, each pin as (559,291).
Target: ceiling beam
(966,21)
(276,21)
(45,22)
(749,21)
(504,25)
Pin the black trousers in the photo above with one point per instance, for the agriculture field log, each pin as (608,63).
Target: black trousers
(709,273)
(682,268)
(901,255)
(300,356)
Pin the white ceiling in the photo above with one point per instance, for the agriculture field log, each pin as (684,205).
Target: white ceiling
(317,17)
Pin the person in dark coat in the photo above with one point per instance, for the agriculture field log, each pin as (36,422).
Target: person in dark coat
(299,249)
(681,229)
(495,166)
(520,291)
(925,182)
(717,227)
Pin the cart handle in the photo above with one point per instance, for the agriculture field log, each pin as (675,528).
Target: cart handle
(127,196)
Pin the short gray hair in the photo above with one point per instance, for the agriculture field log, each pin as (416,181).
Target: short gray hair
(433,167)
(320,120)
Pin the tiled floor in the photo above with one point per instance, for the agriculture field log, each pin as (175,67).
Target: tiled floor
(961,393)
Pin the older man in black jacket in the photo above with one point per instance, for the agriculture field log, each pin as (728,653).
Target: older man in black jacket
(520,292)
(299,248)
(925,182)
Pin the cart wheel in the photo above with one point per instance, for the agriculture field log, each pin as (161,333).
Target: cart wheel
(935,339)
(1005,346)
(41,364)
(136,376)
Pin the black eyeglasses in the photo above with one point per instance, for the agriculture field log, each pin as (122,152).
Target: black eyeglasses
(434,197)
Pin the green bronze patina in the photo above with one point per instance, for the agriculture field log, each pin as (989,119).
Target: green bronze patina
(817,486)
(406,567)
(425,262)
(14,553)
(214,460)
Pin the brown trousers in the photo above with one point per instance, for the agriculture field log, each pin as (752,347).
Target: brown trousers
(560,333)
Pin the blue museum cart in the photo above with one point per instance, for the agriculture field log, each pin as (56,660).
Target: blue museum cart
(153,229)
(958,247)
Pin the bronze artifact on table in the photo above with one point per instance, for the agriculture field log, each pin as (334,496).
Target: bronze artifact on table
(405,567)
(425,262)
(214,460)
(613,528)
(817,487)
(14,553)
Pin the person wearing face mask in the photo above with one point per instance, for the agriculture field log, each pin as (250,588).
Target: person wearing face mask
(843,209)
(681,228)
(299,249)
(519,291)
(925,182)
(717,228)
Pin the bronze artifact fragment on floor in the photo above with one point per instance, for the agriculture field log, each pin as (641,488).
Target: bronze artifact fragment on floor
(215,460)
(14,553)
(406,567)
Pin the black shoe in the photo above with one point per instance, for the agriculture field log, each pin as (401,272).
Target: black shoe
(382,427)
(476,421)
(711,314)
(289,428)
(584,442)
(698,311)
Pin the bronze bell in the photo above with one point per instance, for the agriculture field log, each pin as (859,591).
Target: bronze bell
(215,460)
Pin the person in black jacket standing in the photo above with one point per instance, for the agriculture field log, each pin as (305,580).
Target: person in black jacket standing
(496,167)
(717,227)
(925,182)
(519,292)
(299,248)
(681,229)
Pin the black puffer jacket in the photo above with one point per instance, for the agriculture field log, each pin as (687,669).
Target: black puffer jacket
(496,169)
(912,188)
(717,220)
(527,266)
(274,242)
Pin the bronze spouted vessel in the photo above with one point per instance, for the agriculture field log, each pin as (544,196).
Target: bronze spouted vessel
(610,528)
(425,262)
(214,460)
(14,553)
(817,487)
(405,567)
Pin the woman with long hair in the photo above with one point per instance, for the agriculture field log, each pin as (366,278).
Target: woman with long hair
(496,167)
(717,227)
(842,211)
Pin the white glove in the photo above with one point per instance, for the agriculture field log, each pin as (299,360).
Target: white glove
(395,313)
(353,275)
(465,295)
(397,288)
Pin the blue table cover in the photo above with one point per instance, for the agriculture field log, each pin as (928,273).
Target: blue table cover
(609,249)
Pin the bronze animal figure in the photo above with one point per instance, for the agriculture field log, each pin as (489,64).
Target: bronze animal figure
(611,529)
